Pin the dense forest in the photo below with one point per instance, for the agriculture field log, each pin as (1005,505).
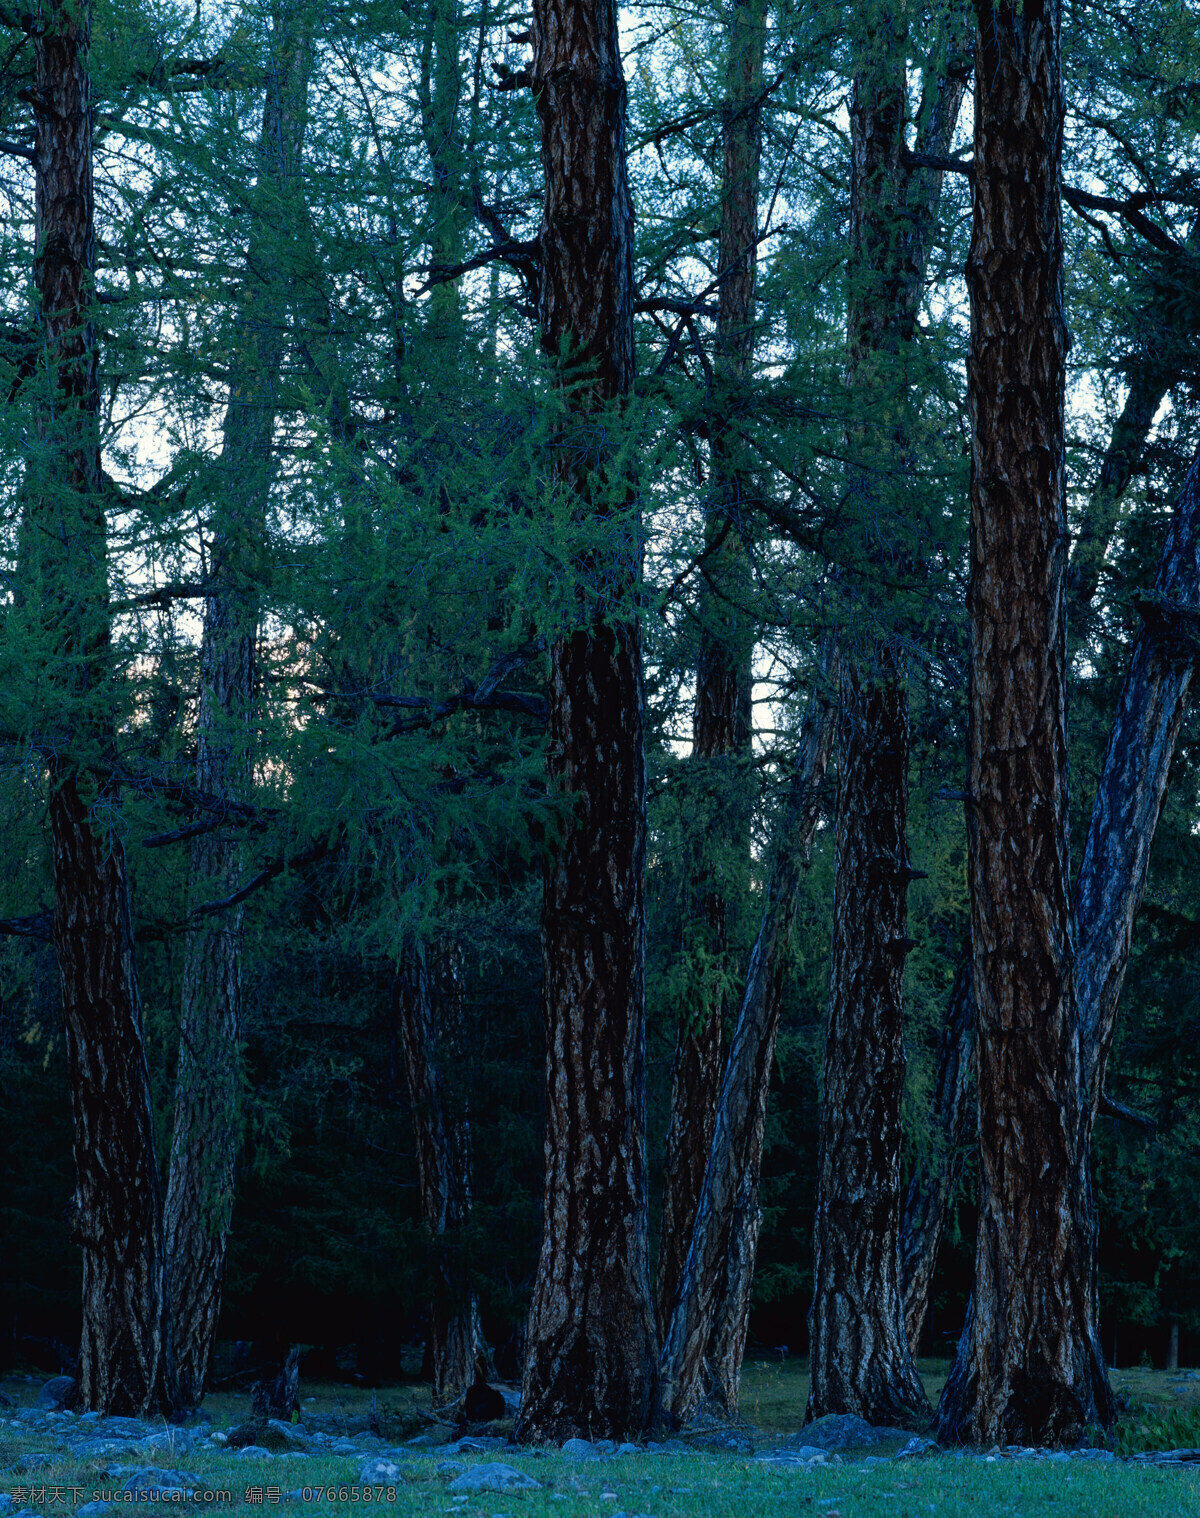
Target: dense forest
(597,614)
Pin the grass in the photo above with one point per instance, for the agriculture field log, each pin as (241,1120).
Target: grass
(695,1485)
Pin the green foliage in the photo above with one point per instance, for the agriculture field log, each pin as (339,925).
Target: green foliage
(1142,1429)
(409,537)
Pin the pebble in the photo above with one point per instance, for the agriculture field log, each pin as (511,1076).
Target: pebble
(379,1472)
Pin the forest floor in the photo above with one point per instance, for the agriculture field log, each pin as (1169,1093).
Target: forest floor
(50,1462)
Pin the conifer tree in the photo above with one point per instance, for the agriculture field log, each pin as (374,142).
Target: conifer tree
(208,1081)
(591,1346)
(117,1205)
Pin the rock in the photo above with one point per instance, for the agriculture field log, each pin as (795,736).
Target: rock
(35,1460)
(95,1509)
(254,1452)
(190,1416)
(493,1477)
(730,1441)
(667,1447)
(6,1504)
(124,1428)
(477,1443)
(580,1449)
(295,1435)
(628,1449)
(56,1393)
(379,1472)
(425,1441)
(344,1447)
(445,1468)
(273,1435)
(167,1441)
(804,1458)
(918,1446)
(95,1449)
(512,1398)
(484,1404)
(843,1431)
(152,1478)
(33,1419)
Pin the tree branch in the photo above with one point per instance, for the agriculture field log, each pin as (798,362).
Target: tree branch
(1109,1107)
(38,925)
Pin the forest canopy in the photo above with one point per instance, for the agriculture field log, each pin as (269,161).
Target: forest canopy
(494,562)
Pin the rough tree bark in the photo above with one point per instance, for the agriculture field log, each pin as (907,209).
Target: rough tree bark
(860,1356)
(429,1001)
(1156,369)
(945,83)
(591,1356)
(932,1185)
(207,1124)
(721,721)
(1024,1371)
(725,1231)
(117,1206)
(1109,888)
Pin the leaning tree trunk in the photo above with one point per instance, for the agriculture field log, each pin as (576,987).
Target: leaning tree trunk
(727,1213)
(429,999)
(208,1082)
(721,722)
(1148,384)
(723,1264)
(1133,782)
(929,1191)
(591,1351)
(1023,1373)
(117,1208)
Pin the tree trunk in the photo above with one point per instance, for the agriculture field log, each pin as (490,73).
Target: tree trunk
(1133,784)
(721,723)
(207,1125)
(1125,813)
(944,86)
(117,1206)
(429,1001)
(860,1360)
(591,1351)
(440,90)
(729,1194)
(859,1356)
(933,1185)
(922,1218)
(1148,385)
(1024,1371)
